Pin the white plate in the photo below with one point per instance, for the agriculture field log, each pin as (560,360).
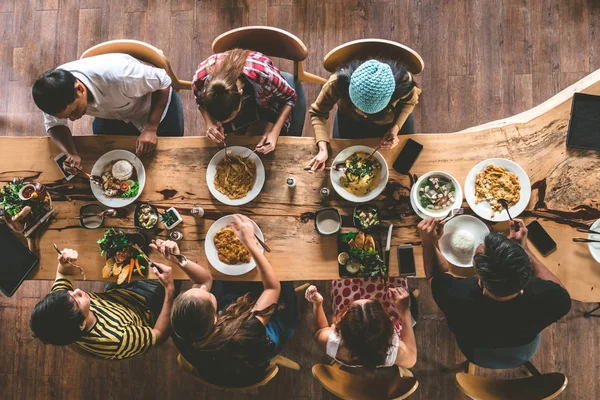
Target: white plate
(211,250)
(595,247)
(336,175)
(98,169)
(462,222)
(483,209)
(458,195)
(259,180)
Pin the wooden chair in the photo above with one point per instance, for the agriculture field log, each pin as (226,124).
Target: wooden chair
(369,48)
(273,42)
(535,387)
(272,370)
(361,387)
(142,51)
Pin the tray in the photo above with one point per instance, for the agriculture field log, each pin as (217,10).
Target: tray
(343,246)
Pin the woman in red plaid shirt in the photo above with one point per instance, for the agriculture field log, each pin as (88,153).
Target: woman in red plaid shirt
(242,92)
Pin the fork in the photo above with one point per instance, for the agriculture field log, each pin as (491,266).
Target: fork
(453,213)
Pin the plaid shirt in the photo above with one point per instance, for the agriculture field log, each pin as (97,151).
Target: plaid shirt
(271,90)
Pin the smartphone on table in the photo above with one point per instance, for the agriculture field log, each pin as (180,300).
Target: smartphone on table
(406,260)
(540,238)
(60,160)
(407,157)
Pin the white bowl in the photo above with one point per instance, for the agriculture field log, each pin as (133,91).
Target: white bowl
(259,180)
(483,209)
(211,250)
(98,169)
(336,175)
(595,247)
(458,195)
(467,223)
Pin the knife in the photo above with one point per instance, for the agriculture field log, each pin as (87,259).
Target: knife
(387,246)
(40,222)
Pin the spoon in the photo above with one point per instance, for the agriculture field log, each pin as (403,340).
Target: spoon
(254,151)
(380,146)
(504,204)
(110,212)
(338,167)
(95,179)
(70,263)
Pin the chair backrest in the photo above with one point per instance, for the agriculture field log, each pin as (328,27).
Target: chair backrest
(187,367)
(370,48)
(273,42)
(538,387)
(142,51)
(359,387)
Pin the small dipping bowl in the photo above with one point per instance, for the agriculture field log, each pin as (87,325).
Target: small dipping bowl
(92,221)
(328,221)
(26,192)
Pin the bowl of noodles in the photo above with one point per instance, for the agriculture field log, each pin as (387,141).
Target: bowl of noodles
(495,179)
(365,176)
(235,180)
(225,252)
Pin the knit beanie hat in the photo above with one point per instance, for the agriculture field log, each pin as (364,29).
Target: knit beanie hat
(371,86)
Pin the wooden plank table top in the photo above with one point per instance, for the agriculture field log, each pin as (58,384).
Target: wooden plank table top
(565,185)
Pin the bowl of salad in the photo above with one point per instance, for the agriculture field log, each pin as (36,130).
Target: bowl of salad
(436,193)
(366,217)
(146,216)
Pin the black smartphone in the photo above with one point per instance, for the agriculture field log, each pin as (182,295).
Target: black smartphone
(540,238)
(407,156)
(406,260)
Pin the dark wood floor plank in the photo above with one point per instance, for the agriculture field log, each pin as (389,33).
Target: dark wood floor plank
(136,27)
(90,29)
(573,28)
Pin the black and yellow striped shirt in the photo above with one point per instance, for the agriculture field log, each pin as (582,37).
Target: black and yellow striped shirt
(124,323)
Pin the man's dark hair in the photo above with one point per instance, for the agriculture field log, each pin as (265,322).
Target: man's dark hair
(55,320)
(54,90)
(504,266)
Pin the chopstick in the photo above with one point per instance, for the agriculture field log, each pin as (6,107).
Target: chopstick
(263,244)
(81,271)
(585,230)
(585,240)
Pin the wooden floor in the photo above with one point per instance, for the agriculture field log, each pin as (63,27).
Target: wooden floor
(485,59)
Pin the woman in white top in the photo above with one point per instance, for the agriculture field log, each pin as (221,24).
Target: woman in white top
(364,335)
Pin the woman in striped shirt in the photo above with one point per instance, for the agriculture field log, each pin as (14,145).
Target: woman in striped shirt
(117,324)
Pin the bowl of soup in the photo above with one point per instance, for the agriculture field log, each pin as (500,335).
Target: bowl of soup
(436,193)
(328,221)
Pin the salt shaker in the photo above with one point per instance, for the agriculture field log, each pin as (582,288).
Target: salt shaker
(324,193)
(175,235)
(197,212)
(291,182)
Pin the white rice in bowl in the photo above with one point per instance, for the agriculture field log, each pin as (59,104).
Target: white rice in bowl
(122,170)
(462,242)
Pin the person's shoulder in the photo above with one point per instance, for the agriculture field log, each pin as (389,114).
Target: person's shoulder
(445,286)
(547,291)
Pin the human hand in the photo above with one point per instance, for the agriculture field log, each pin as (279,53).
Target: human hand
(518,235)
(267,142)
(429,231)
(165,276)
(312,295)
(66,259)
(164,247)
(146,142)
(401,300)
(72,161)
(317,164)
(244,230)
(215,133)
(390,139)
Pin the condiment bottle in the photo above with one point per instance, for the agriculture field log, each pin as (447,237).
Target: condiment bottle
(291,182)
(197,212)
(324,193)
(175,235)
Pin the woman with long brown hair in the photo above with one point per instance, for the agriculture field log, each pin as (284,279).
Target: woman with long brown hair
(369,320)
(229,331)
(242,92)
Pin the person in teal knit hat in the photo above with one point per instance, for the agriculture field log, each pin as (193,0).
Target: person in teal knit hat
(375,98)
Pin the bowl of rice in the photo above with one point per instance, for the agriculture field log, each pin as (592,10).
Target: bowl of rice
(462,235)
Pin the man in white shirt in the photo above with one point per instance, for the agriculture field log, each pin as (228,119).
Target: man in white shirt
(126,96)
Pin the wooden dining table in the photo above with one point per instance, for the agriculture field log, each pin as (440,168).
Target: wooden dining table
(565,193)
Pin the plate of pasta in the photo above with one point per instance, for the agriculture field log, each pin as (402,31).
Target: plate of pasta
(225,252)
(495,179)
(234,179)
